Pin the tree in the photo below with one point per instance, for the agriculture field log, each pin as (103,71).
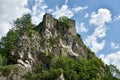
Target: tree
(23,23)
(9,40)
(7,43)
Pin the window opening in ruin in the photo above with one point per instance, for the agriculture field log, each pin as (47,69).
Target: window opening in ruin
(63,28)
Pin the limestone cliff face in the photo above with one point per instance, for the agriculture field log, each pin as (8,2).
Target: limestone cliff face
(47,39)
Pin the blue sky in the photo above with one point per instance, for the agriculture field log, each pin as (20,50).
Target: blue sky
(97,21)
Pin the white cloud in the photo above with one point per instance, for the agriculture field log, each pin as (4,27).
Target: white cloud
(86,15)
(40,1)
(66,11)
(92,42)
(99,20)
(5,26)
(82,28)
(114,45)
(50,10)
(38,10)
(116,18)
(112,58)
(63,11)
(10,10)
(78,8)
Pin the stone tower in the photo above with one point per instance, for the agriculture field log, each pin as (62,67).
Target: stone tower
(48,20)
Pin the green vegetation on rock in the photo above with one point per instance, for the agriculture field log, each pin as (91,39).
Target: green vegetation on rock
(83,69)
(7,43)
(64,21)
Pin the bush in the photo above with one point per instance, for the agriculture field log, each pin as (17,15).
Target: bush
(54,73)
(24,22)
(5,70)
(64,21)
(3,60)
(9,40)
(7,44)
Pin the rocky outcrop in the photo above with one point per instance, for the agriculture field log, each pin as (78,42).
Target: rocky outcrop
(29,48)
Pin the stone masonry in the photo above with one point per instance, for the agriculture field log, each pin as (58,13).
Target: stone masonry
(50,22)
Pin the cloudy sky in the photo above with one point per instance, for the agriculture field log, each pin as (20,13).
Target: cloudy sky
(98,21)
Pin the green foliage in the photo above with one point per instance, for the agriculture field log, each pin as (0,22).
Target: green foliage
(7,44)
(30,31)
(23,23)
(64,21)
(9,40)
(39,72)
(50,74)
(54,73)
(65,63)
(53,40)
(83,69)
(108,75)
(89,69)
(3,60)
(3,56)
(5,70)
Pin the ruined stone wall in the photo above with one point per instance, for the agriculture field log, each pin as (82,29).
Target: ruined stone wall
(72,29)
(50,22)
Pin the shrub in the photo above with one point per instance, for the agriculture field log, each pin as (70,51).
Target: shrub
(64,21)
(5,70)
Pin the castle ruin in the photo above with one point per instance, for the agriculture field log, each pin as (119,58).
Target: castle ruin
(50,22)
